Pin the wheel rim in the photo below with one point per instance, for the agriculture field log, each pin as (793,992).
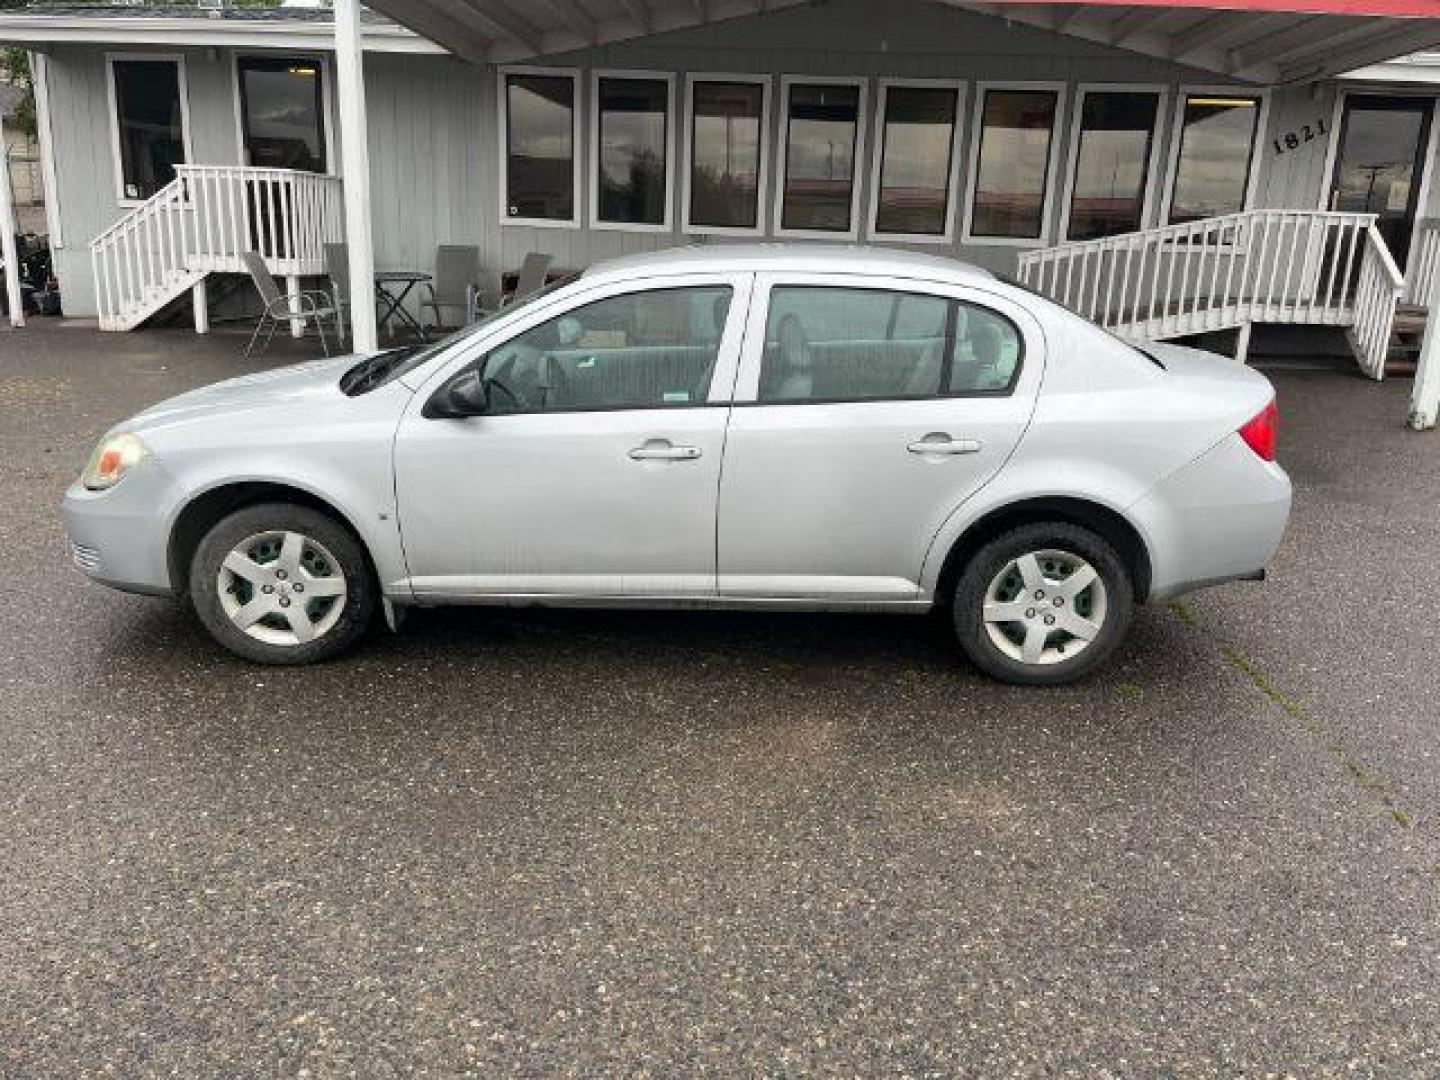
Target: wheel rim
(1045,607)
(282,588)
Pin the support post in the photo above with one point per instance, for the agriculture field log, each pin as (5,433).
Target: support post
(7,244)
(355,158)
(200,304)
(1242,341)
(292,294)
(1425,398)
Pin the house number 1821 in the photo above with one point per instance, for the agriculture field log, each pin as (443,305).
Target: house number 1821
(1307,133)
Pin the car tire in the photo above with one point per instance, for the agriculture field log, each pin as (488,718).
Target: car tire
(259,558)
(1019,599)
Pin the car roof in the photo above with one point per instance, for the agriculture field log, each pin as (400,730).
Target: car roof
(790,258)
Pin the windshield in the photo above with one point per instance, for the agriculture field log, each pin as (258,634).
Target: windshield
(375,371)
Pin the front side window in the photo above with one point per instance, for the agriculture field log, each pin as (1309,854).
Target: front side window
(1013,163)
(1212,167)
(644,350)
(149,124)
(726,139)
(282,112)
(917,138)
(632,140)
(822,127)
(539,147)
(1112,163)
(825,344)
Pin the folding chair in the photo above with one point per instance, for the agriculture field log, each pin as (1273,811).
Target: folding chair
(280,308)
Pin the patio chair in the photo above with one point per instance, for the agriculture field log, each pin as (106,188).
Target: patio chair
(531,278)
(310,306)
(456,286)
(337,269)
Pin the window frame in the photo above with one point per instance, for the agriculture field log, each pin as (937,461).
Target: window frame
(877,153)
(668,78)
(1176,126)
(752,361)
(113,99)
(1061,90)
(332,162)
(861,150)
(688,151)
(502,76)
(1154,176)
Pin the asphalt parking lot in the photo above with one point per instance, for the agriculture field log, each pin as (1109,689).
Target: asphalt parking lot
(562,843)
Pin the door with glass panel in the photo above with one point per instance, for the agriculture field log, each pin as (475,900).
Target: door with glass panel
(594,468)
(1382,148)
(282,126)
(867,410)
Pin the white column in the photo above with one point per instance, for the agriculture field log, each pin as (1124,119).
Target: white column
(292,293)
(7,243)
(355,161)
(1425,399)
(200,304)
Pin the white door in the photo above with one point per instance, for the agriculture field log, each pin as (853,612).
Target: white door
(594,470)
(866,411)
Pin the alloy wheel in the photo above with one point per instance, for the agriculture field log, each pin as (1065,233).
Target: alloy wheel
(1045,607)
(282,588)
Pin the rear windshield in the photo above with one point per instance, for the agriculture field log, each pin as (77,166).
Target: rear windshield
(1146,353)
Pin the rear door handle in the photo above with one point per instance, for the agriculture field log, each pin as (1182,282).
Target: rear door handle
(938,442)
(664,450)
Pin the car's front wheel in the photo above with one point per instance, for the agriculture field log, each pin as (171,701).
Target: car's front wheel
(1044,603)
(282,584)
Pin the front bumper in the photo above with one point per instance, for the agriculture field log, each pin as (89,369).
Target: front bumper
(120,537)
(1220,518)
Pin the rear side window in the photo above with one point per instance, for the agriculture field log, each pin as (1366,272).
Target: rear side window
(827,344)
(642,350)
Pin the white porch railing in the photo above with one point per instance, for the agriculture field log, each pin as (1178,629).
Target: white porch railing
(1424,262)
(200,223)
(1275,266)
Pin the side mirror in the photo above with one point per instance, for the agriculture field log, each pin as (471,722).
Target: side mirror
(463,396)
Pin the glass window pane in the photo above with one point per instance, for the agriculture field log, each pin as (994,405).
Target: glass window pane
(916,144)
(987,353)
(633,146)
(829,344)
(1112,163)
(281,107)
(821,126)
(1014,160)
(643,350)
(1213,170)
(540,146)
(149,117)
(725,154)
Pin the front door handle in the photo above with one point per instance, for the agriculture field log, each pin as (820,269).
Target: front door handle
(939,442)
(663,450)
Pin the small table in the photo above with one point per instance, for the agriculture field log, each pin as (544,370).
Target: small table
(401,283)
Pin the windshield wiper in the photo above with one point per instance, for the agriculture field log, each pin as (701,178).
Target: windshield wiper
(373,370)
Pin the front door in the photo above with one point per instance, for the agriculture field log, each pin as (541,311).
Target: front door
(1383,145)
(867,411)
(595,469)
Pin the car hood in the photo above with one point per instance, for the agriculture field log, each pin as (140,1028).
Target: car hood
(317,380)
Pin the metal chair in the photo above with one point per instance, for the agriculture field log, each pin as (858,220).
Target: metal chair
(531,278)
(281,308)
(456,285)
(337,269)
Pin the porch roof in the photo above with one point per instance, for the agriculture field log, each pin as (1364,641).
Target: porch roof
(1261,41)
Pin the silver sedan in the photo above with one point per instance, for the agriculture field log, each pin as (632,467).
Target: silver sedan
(742,427)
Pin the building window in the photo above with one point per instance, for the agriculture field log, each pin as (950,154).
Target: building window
(1213,159)
(915,155)
(148,108)
(822,137)
(632,150)
(1110,178)
(538,115)
(1011,186)
(726,169)
(282,112)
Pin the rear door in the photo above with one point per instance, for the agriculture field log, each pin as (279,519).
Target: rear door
(867,410)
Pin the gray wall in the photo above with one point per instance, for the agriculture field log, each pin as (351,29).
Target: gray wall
(434,139)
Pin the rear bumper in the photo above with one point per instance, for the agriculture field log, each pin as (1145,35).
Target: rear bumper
(1220,518)
(119,537)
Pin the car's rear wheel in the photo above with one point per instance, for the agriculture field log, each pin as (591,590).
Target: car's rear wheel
(1043,603)
(282,584)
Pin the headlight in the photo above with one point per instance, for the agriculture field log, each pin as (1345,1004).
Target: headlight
(113,458)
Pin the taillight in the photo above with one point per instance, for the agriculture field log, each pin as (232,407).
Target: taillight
(1261,432)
